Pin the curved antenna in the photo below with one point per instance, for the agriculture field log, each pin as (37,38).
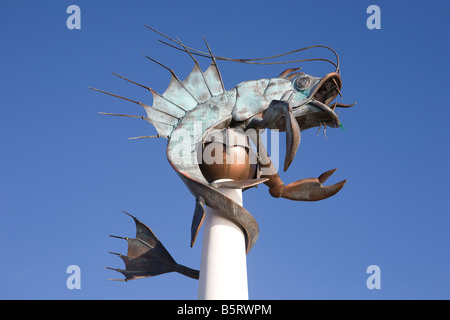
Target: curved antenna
(254,60)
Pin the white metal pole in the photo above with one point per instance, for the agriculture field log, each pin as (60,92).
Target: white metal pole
(223,267)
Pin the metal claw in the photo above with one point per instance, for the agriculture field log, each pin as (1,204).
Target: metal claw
(311,189)
(324,176)
(329,191)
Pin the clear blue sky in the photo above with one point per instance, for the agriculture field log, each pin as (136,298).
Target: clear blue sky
(66,172)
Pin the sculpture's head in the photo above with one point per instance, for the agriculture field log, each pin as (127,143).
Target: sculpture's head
(311,100)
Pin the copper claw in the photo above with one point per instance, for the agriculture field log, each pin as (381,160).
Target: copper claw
(311,189)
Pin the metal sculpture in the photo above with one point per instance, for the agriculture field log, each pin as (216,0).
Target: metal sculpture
(291,102)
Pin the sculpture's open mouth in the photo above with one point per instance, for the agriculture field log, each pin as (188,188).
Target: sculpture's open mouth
(320,110)
(328,88)
(325,92)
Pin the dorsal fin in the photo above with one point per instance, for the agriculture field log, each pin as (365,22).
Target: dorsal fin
(176,92)
(213,76)
(180,96)
(160,103)
(195,83)
(165,105)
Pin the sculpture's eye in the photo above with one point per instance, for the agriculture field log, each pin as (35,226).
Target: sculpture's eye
(302,82)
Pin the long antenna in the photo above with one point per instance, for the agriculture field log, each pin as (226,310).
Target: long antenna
(253,60)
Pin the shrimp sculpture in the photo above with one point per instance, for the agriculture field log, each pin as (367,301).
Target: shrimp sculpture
(291,102)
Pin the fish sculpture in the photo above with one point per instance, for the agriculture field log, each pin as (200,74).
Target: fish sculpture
(192,110)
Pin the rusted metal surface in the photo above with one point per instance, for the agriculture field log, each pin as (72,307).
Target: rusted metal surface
(191,110)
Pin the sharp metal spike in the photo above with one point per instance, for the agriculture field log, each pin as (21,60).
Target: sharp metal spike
(159,63)
(115,95)
(123,115)
(123,280)
(118,237)
(142,137)
(130,215)
(196,63)
(150,89)
(162,34)
(137,102)
(173,75)
(114,269)
(140,85)
(213,61)
(186,49)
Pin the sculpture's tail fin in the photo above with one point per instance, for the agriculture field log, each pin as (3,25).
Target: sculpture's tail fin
(147,256)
